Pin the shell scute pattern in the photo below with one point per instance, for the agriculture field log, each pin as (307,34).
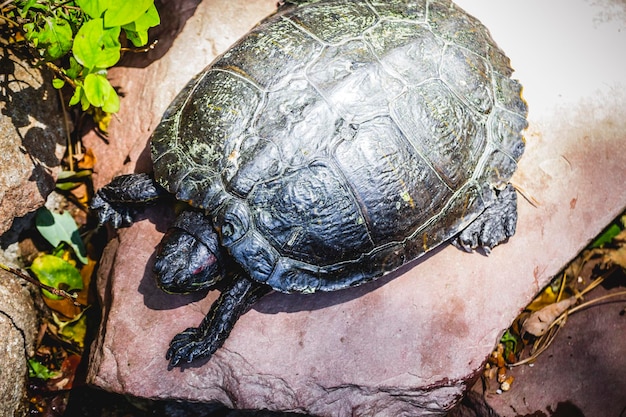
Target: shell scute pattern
(297,213)
(340,139)
(350,77)
(335,22)
(413,192)
(180,147)
(458,28)
(411,51)
(442,129)
(401,9)
(470,82)
(280,48)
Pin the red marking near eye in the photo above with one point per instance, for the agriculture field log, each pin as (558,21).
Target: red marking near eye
(210,260)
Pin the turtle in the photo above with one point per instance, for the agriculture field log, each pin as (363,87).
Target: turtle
(335,142)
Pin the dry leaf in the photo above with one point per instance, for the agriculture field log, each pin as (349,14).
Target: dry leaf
(613,254)
(506,384)
(88,160)
(617,256)
(539,321)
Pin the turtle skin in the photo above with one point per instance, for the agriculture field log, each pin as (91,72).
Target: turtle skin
(334,143)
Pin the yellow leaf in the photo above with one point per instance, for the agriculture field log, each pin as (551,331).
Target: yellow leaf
(547,297)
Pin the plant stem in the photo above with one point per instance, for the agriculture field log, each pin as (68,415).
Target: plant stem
(55,291)
(68,137)
(59,72)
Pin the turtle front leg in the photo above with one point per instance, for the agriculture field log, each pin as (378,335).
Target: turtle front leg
(118,201)
(494,225)
(203,341)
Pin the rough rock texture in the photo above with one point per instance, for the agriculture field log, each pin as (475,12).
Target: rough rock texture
(31,138)
(18,329)
(408,344)
(32,141)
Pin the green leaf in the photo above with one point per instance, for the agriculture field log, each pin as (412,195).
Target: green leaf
(121,12)
(68,180)
(95,46)
(112,103)
(74,70)
(74,330)
(147,20)
(55,37)
(84,101)
(101,93)
(27,6)
(58,39)
(40,371)
(510,342)
(57,228)
(76,96)
(56,273)
(137,38)
(73,175)
(58,83)
(137,31)
(607,236)
(28,29)
(94,8)
(67,186)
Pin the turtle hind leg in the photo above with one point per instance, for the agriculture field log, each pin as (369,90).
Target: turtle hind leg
(118,201)
(203,341)
(493,226)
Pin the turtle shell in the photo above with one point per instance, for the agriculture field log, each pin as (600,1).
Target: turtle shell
(339,140)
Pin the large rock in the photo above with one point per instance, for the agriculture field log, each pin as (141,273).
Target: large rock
(411,343)
(32,138)
(32,141)
(18,330)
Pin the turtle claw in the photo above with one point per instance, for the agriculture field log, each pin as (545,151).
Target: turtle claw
(203,341)
(189,345)
(117,202)
(118,215)
(493,226)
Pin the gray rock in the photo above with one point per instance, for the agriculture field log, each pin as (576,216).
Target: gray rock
(32,142)
(409,344)
(31,138)
(18,329)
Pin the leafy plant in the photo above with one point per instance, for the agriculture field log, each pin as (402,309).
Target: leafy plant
(73,330)
(79,40)
(56,272)
(60,228)
(39,370)
(61,231)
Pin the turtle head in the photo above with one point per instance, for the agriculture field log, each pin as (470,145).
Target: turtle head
(189,257)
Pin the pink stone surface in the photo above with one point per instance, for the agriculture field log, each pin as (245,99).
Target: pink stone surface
(410,343)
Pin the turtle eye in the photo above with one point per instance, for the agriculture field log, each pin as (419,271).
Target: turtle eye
(227,230)
(233,221)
